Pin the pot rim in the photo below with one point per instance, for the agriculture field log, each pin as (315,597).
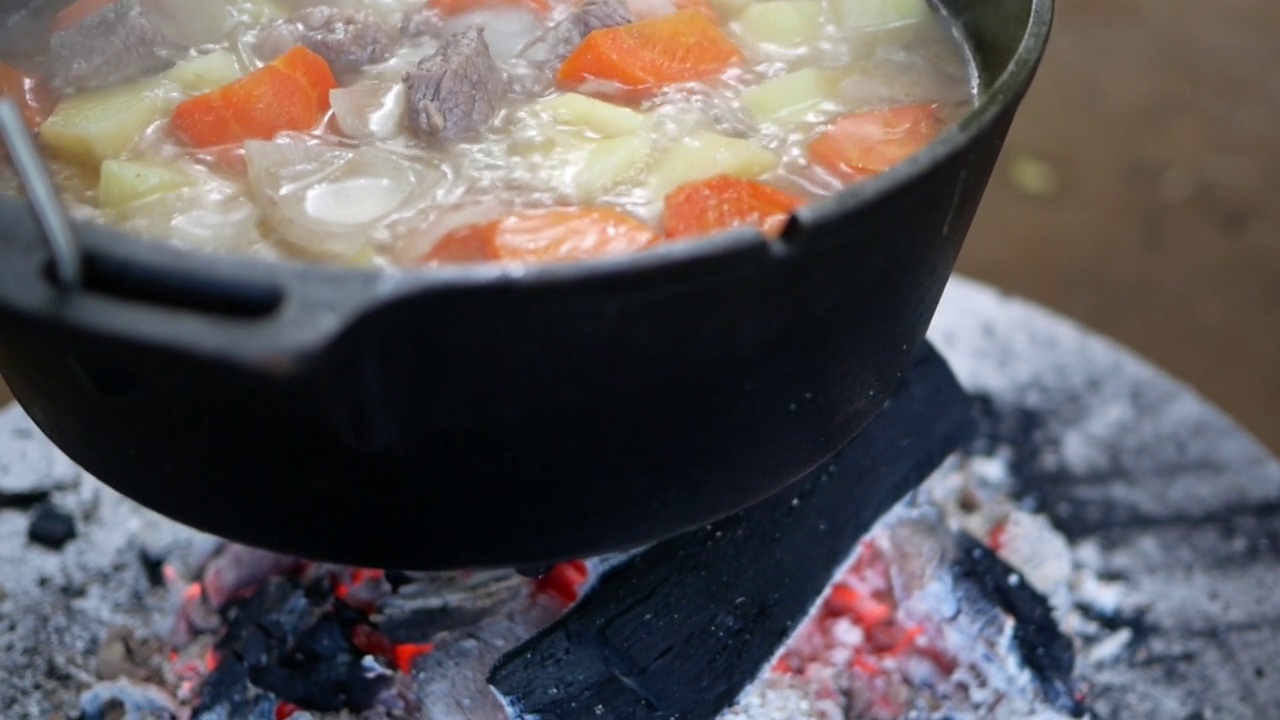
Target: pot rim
(1011,84)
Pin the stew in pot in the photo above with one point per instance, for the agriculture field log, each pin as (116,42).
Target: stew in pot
(403,134)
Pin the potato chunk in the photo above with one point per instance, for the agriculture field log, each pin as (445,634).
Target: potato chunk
(852,14)
(206,72)
(706,154)
(792,98)
(595,116)
(610,161)
(791,24)
(123,182)
(102,124)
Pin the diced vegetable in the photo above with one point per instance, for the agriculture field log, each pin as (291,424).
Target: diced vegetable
(858,146)
(549,235)
(793,97)
(189,22)
(508,27)
(206,72)
(595,116)
(851,14)
(610,161)
(641,58)
(123,182)
(325,200)
(648,9)
(33,97)
(289,93)
(369,110)
(723,202)
(707,154)
(101,124)
(77,12)
(702,6)
(449,8)
(788,24)
(727,10)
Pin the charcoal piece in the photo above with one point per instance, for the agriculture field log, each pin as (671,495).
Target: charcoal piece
(51,526)
(1041,644)
(285,643)
(683,627)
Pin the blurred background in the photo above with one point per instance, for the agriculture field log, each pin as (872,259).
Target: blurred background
(1138,191)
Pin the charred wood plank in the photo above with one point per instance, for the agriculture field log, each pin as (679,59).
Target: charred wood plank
(682,628)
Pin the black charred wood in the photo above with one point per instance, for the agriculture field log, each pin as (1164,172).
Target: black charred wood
(284,643)
(1041,645)
(51,526)
(682,628)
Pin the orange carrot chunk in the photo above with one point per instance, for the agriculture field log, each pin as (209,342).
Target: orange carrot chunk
(33,97)
(544,236)
(450,8)
(646,56)
(290,93)
(863,144)
(723,202)
(77,12)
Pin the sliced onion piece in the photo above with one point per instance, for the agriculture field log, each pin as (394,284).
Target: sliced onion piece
(506,29)
(369,110)
(328,201)
(189,22)
(647,9)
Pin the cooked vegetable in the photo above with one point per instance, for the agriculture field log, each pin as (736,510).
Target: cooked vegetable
(369,110)
(33,97)
(328,201)
(644,57)
(190,22)
(794,97)
(289,93)
(608,162)
(858,146)
(852,14)
(727,10)
(98,125)
(723,202)
(206,72)
(123,182)
(707,154)
(449,8)
(77,12)
(595,116)
(549,235)
(788,24)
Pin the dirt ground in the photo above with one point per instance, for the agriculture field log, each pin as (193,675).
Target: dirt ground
(1137,192)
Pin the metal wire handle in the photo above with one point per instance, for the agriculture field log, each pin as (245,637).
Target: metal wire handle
(67,265)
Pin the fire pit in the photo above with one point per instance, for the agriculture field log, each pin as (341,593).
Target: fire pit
(1103,544)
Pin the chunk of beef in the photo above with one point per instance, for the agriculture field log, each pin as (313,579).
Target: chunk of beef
(116,44)
(347,40)
(455,91)
(563,37)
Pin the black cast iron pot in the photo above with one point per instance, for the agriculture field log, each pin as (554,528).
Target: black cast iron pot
(482,416)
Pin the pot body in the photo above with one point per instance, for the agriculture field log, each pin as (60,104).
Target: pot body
(503,418)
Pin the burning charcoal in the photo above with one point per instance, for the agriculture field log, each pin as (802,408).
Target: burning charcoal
(1043,648)
(238,568)
(127,700)
(51,527)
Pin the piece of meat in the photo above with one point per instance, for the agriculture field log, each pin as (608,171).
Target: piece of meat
(115,44)
(563,37)
(346,39)
(455,91)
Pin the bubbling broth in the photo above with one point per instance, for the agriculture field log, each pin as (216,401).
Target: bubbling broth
(403,134)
